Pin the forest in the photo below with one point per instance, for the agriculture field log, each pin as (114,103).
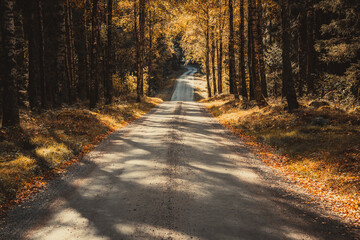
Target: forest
(71,51)
(65,62)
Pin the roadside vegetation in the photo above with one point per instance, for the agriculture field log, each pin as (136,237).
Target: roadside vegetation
(316,147)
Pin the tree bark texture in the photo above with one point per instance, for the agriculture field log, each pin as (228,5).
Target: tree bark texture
(256,56)
(288,83)
(242,53)
(110,55)
(261,49)
(213,50)
(232,70)
(93,60)
(9,69)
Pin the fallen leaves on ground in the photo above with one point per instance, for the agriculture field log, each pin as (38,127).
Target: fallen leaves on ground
(323,160)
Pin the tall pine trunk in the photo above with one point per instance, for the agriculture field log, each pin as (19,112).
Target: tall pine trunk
(39,22)
(288,83)
(93,61)
(302,44)
(9,69)
(207,57)
(232,70)
(32,34)
(242,53)
(61,89)
(310,68)
(141,45)
(110,58)
(250,54)
(261,49)
(213,49)
(220,53)
(256,55)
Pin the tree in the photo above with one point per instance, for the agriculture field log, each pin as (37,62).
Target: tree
(9,69)
(261,49)
(302,51)
(110,58)
(288,84)
(242,52)
(310,67)
(260,100)
(232,71)
(141,47)
(93,76)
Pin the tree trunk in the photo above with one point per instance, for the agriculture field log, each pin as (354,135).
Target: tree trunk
(150,56)
(250,54)
(62,95)
(255,62)
(110,58)
(93,62)
(288,84)
(39,20)
(9,69)
(232,71)
(302,42)
(141,48)
(32,33)
(261,49)
(213,49)
(207,60)
(242,53)
(220,54)
(310,69)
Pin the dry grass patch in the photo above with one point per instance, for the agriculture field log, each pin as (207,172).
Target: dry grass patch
(318,148)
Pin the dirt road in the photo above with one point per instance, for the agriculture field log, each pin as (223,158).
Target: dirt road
(174,174)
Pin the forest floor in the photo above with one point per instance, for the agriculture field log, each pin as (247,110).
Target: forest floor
(47,143)
(315,148)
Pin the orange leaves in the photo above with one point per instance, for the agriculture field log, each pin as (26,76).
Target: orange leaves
(324,161)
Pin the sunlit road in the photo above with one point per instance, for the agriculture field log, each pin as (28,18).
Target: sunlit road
(174,174)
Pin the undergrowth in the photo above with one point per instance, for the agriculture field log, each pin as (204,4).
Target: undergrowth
(323,158)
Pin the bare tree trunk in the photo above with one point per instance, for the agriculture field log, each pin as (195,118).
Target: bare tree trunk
(142,44)
(261,49)
(232,71)
(68,52)
(9,69)
(310,69)
(110,55)
(220,52)
(242,53)
(288,83)
(207,60)
(250,53)
(257,84)
(136,33)
(93,53)
(39,20)
(32,33)
(213,49)
(62,95)
(302,39)
(150,55)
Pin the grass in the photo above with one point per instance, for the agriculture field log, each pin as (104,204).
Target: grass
(325,160)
